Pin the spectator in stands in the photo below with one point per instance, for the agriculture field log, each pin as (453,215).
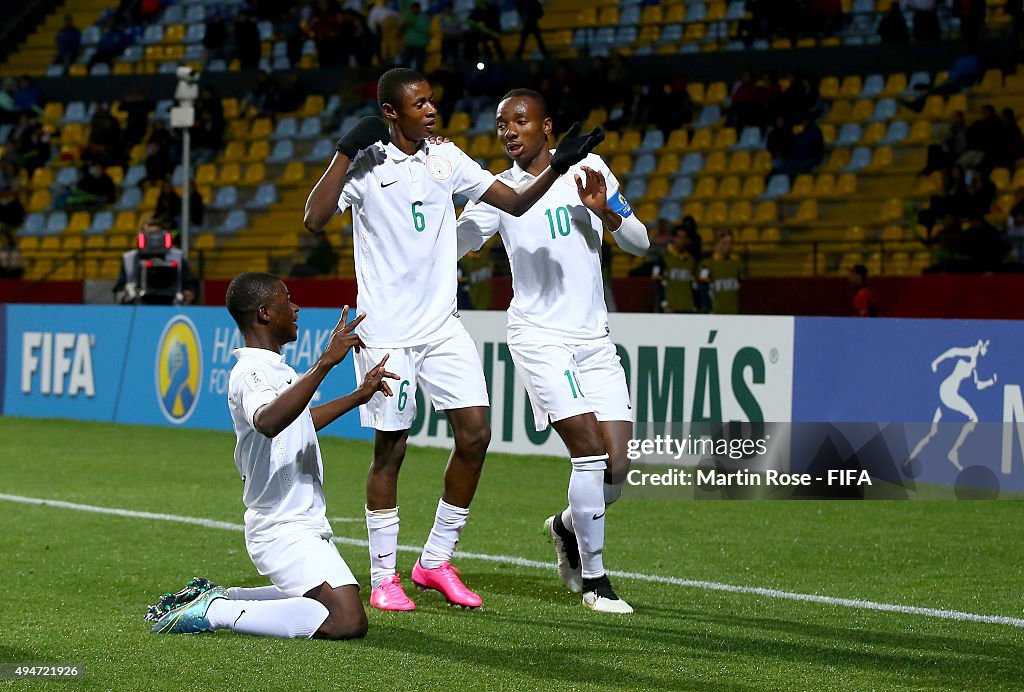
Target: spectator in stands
(27,97)
(291,95)
(69,42)
(671,106)
(357,37)
(719,278)
(8,114)
(530,12)
(10,174)
(485,34)
(137,107)
(215,40)
(1013,138)
(986,246)
(801,99)
(416,35)
(805,153)
(981,193)
(952,200)
(972,19)
(12,213)
(826,17)
(263,96)
(865,304)
(325,31)
(386,24)
(744,108)
(289,28)
(453,30)
(1015,227)
(12,264)
(94,190)
(168,206)
(111,45)
(926,19)
(322,260)
(893,27)
(32,148)
(160,159)
(965,71)
(106,145)
(248,46)
(984,141)
(677,276)
(942,156)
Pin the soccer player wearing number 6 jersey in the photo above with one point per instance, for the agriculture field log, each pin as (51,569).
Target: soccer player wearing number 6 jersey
(558,329)
(400,189)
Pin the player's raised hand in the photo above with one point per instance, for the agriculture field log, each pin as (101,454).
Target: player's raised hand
(375,380)
(364,133)
(574,147)
(342,339)
(438,139)
(594,193)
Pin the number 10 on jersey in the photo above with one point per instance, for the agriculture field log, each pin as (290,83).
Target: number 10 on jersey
(556,218)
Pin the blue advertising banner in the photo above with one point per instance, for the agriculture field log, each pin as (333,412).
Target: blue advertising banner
(946,393)
(152,365)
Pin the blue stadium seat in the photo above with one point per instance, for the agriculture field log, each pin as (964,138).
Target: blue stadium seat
(102,221)
(310,127)
(635,189)
(226,198)
(56,223)
(286,129)
(280,50)
(692,164)
(91,35)
(333,104)
(216,65)
(681,188)
(196,14)
(737,10)
(696,12)
(920,78)
(266,30)
(266,194)
(885,109)
(132,54)
(849,134)
(653,140)
(643,166)
(134,176)
(284,151)
(163,109)
(236,221)
(874,84)
(35,224)
(670,211)
(67,177)
(323,150)
(625,36)
(898,131)
(630,16)
(195,33)
(173,15)
(281,64)
(153,34)
(76,112)
(670,33)
(130,198)
(860,158)
(55,71)
(750,140)
(709,116)
(778,185)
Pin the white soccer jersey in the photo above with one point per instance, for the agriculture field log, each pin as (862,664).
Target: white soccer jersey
(555,253)
(283,477)
(404,238)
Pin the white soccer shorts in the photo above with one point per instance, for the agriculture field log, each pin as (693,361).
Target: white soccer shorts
(449,372)
(299,561)
(566,380)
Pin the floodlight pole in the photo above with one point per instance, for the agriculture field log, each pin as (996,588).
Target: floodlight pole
(183,116)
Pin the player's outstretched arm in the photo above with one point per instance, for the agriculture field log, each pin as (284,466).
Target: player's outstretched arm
(273,418)
(322,202)
(375,381)
(616,215)
(571,149)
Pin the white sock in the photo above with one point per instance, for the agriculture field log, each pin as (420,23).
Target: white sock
(586,504)
(382,529)
(259,593)
(448,523)
(567,519)
(612,492)
(290,618)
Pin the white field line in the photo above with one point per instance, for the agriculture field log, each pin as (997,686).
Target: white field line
(523,562)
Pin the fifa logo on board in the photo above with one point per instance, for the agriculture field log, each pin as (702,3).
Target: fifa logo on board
(178,369)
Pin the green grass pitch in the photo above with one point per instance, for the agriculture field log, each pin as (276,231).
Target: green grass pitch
(75,584)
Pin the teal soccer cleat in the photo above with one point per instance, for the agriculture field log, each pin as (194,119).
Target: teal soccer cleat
(195,588)
(191,617)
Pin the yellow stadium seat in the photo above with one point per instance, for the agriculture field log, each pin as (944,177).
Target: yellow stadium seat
(715,11)
(255,174)
(846,184)
(694,32)
(79,221)
(740,162)
(294,172)
(206,174)
(771,236)
(149,198)
(229,174)
(828,132)
(621,165)
(39,201)
(837,159)
(1000,177)
(920,133)
(41,177)
(667,164)
(657,189)
(125,222)
(480,147)
(717,213)
(49,243)
(706,187)
(990,83)
(696,91)
(840,112)
(956,102)
(748,234)
(762,162)
(892,210)
(258,151)
(313,106)
(73,242)
(677,140)
(596,118)
(700,140)
(652,14)
(261,128)
(647,213)
(234,152)
(587,17)
(803,186)
(740,212)
(116,174)
(459,123)
(874,133)
(95,242)
(807,211)
(498,165)
(28,243)
(610,145)
(862,110)
(1018,179)
(715,162)
(137,154)
(230,108)
(204,241)
(881,159)
(674,13)
(753,186)
(73,134)
(729,187)
(629,141)
(716,92)
(895,84)
(77,70)
(892,234)
(174,33)
(725,138)
(828,88)
(824,185)
(852,86)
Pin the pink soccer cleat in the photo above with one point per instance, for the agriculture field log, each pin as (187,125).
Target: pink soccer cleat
(391,596)
(445,579)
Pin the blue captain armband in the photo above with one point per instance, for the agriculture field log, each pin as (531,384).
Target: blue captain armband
(618,204)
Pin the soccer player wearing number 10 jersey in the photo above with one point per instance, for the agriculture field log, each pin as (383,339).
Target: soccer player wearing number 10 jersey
(558,329)
(400,189)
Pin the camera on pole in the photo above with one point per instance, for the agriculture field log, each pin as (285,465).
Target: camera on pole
(183,116)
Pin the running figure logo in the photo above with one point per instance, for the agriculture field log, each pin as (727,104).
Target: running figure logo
(949,397)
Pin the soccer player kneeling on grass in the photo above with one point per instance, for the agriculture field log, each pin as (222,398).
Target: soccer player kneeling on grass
(400,188)
(558,329)
(286,530)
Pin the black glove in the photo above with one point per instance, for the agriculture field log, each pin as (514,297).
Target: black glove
(365,132)
(574,147)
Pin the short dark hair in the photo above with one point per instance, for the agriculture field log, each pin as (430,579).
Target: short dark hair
(529,94)
(246,293)
(392,84)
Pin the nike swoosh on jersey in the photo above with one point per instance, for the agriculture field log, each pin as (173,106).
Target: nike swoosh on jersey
(383,184)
